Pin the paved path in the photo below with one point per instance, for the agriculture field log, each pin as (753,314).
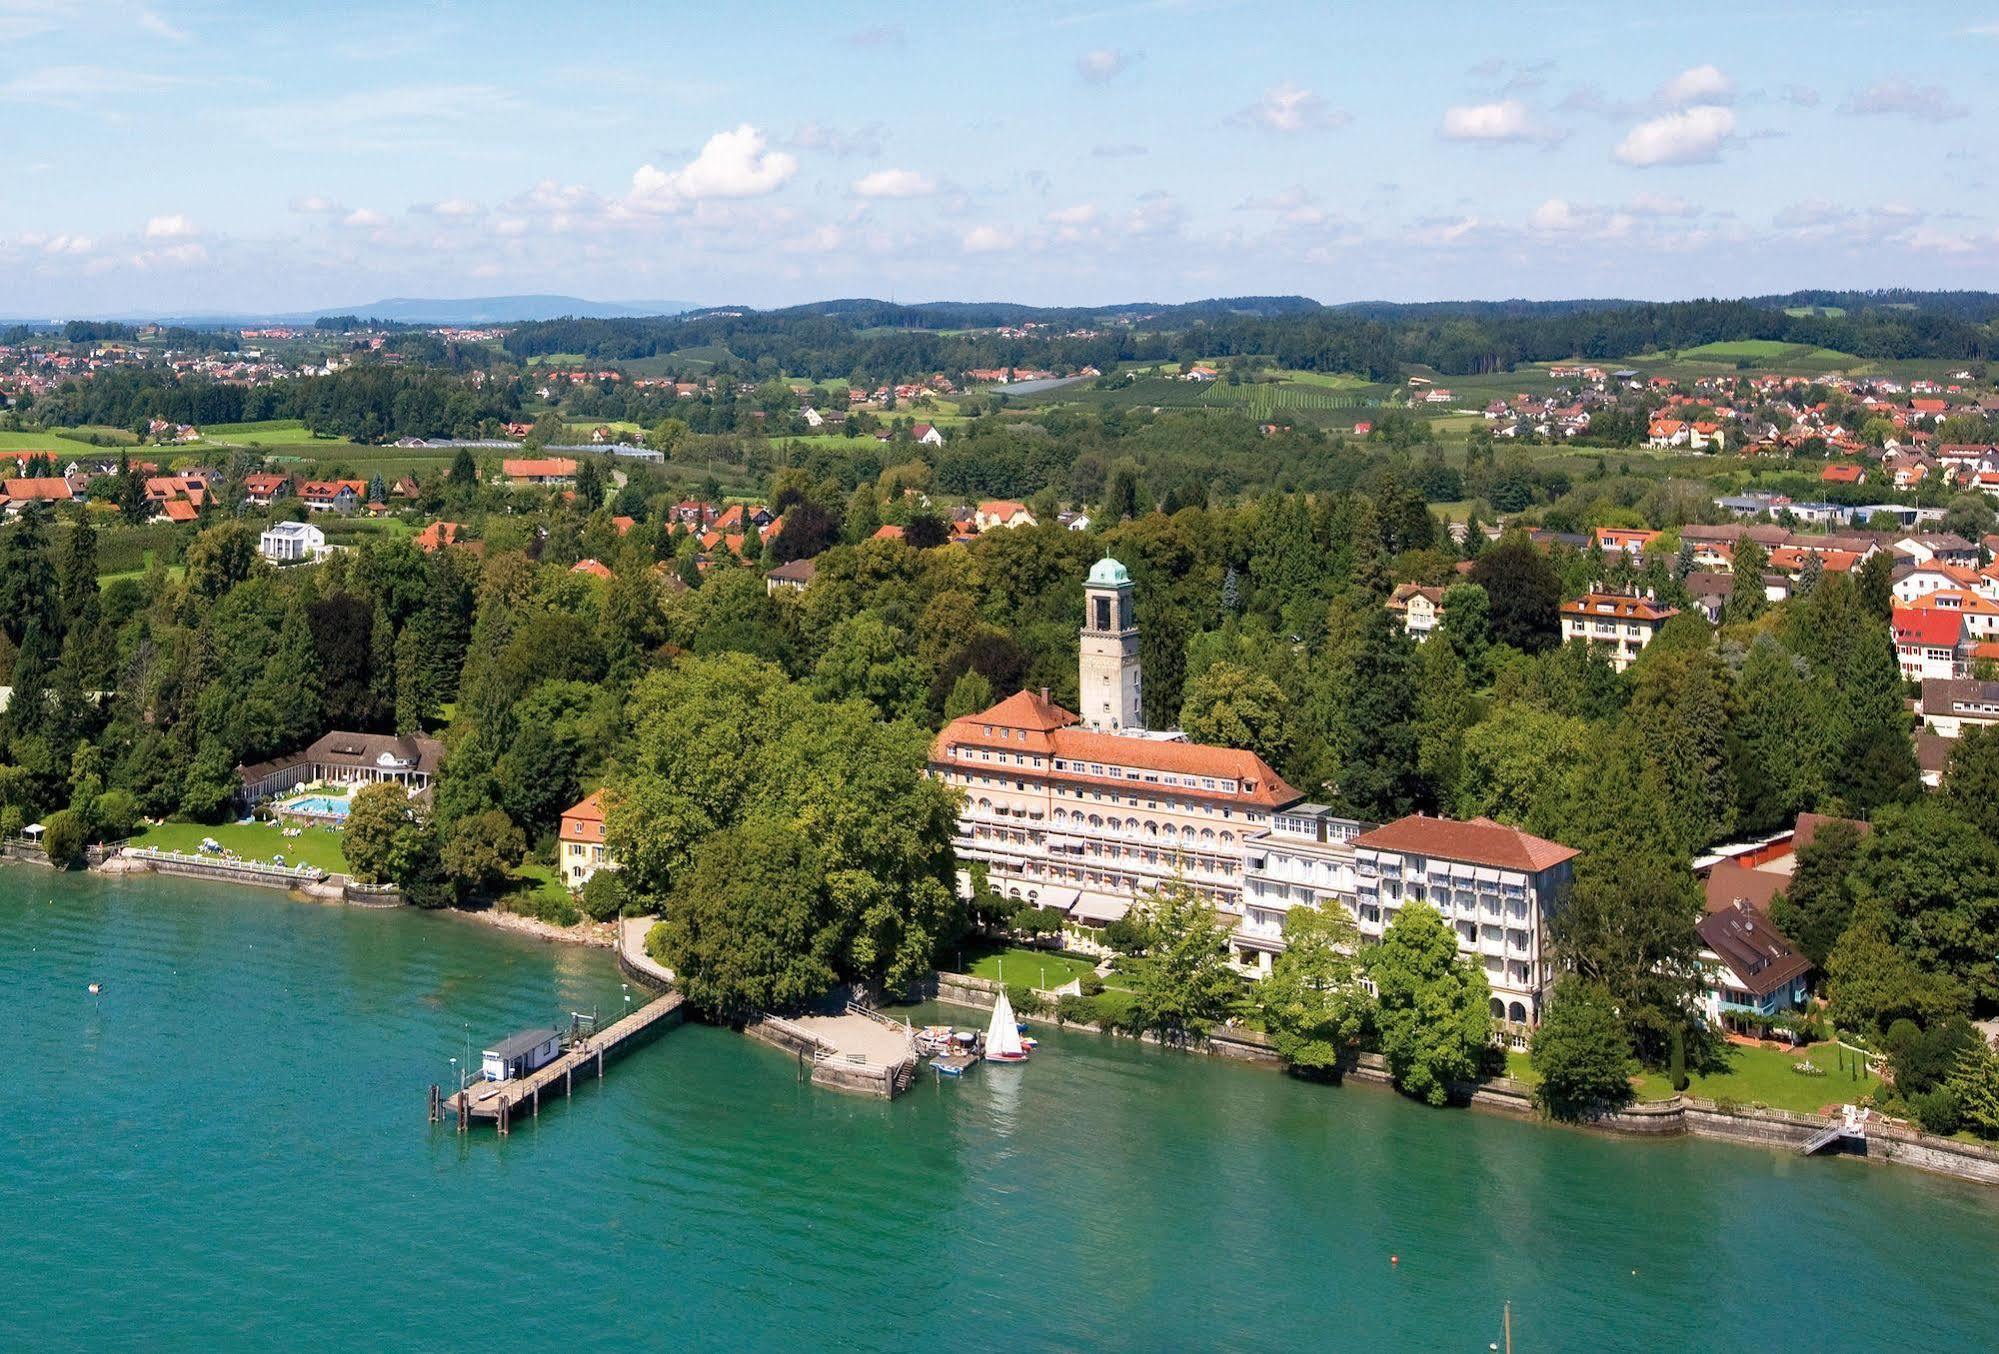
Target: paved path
(632,944)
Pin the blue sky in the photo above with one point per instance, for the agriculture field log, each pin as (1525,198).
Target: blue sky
(201,156)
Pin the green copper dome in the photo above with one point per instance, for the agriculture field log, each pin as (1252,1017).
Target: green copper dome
(1108,573)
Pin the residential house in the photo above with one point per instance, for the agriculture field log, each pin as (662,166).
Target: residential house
(1496,886)
(1630,540)
(16,493)
(1911,581)
(927,435)
(581,838)
(437,536)
(261,489)
(1929,643)
(1844,474)
(1751,969)
(593,568)
(1950,705)
(1000,512)
(345,759)
(1419,609)
(291,542)
(1618,625)
(341,496)
(1942,547)
(522,472)
(795,576)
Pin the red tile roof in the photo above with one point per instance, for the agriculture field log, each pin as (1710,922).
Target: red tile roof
(1931,629)
(584,822)
(1031,723)
(1479,841)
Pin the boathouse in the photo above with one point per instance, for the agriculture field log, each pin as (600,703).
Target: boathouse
(519,1054)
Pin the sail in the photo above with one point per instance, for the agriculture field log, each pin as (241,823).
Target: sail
(1003,1034)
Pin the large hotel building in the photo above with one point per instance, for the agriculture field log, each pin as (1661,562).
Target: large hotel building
(1088,812)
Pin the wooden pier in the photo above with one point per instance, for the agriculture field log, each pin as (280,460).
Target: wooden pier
(500,1102)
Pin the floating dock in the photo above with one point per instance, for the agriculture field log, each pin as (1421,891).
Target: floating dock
(500,1102)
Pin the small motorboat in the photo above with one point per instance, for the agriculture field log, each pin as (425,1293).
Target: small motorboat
(1003,1042)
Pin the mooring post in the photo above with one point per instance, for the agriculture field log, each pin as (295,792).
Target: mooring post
(536,1111)
(567,1073)
(503,1116)
(600,1064)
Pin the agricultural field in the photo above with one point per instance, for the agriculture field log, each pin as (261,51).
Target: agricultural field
(283,432)
(71,442)
(1770,354)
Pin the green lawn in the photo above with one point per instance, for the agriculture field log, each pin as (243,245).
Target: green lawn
(281,432)
(1037,968)
(1755,1076)
(319,847)
(1762,1076)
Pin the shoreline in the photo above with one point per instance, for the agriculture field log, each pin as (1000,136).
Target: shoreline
(1680,1117)
(589,934)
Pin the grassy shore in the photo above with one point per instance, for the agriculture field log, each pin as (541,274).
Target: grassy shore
(318,847)
(1755,1076)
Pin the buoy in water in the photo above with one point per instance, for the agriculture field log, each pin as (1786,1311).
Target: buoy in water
(1394,1259)
(95,988)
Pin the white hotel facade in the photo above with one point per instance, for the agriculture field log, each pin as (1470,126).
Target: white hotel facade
(1087,813)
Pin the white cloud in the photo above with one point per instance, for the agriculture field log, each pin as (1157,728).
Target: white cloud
(366,218)
(1801,96)
(1556,215)
(1660,204)
(314,204)
(159,27)
(864,141)
(1293,207)
(819,240)
(456,208)
(988,239)
(1452,231)
(1690,136)
(1079,215)
(895,183)
(1896,96)
(1507,120)
(733,164)
(77,86)
(58,244)
(1697,84)
(1288,109)
(1157,213)
(1103,64)
(173,227)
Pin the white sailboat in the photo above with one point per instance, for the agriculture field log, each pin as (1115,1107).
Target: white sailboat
(1003,1035)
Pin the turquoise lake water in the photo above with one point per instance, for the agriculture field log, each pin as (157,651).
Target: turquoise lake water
(227,1150)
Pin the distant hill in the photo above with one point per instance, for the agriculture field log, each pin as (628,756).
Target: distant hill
(497,309)
(413,310)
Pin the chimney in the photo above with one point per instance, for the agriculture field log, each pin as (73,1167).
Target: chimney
(1044,694)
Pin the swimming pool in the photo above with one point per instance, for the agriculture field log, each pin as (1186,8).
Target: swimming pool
(317,806)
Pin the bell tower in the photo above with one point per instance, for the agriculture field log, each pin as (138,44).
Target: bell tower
(1112,694)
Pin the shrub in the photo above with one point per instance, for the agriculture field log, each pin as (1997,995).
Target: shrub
(1091,984)
(1026,1001)
(1074,1010)
(1937,1110)
(64,838)
(603,897)
(12,820)
(115,812)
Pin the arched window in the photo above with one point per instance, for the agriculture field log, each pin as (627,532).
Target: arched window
(1517,1013)
(1498,1009)
(1227,838)
(1151,831)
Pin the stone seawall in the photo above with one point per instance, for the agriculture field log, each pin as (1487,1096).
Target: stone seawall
(1682,1115)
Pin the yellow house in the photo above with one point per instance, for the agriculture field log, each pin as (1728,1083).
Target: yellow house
(582,841)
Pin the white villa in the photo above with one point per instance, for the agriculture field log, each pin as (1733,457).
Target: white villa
(291,542)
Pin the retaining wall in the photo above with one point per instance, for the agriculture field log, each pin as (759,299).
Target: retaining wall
(1682,1115)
